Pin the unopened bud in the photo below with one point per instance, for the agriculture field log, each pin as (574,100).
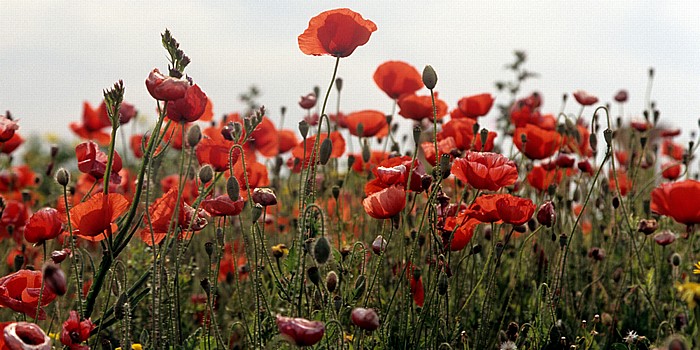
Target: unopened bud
(55,279)
(331,281)
(57,256)
(339,84)
(326,150)
(314,275)
(233,189)
(256,212)
(303,128)
(209,248)
(546,215)
(442,284)
(322,250)
(429,77)
(62,177)
(366,154)
(206,173)
(194,135)
(379,245)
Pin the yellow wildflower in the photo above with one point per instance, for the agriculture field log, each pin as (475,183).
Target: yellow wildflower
(690,293)
(133,347)
(696,269)
(280,250)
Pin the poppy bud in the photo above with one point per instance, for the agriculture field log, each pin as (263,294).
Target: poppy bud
(475,128)
(25,335)
(442,284)
(303,128)
(429,77)
(546,215)
(314,275)
(209,248)
(57,256)
(300,331)
(647,226)
(326,150)
(379,245)
(55,279)
(366,319)
(365,152)
(322,250)
(206,173)
(339,84)
(331,281)
(335,190)
(194,135)
(416,134)
(256,212)
(676,260)
(359,287)
(205,285)
(616,202)
(233,189)
(62,177)
(264,196)
(598,254)
(484,137)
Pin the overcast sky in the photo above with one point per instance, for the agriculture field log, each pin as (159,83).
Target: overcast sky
(55,55)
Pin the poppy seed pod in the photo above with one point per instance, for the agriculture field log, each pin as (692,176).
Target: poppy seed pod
(233,189)
(429,77)
(322,250)
(206,173)
(304,128)
(62,177)
(55,279)
(325,151)
(676,259)
(264,196)
(331,281)
(25,335)
(366,319)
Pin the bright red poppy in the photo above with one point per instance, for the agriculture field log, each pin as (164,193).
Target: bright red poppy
(300,331)
(264,138)
(672,149)
(584,98)
(20,291)
(462,131)
(373,123)
(216,153)
(94,218)
(12,144)
(540,143)
(287,140)
(17,178)
(7,128)
(335,32)
(541,178)
(136,142)
(188,108)
(75,332)
(257,176)
(223,206)
(624,182)
(445,146)
(394,171)
(160,213)
(94,120)
(43,225)
(678,200)
(190,190)
(484,208)
(515,210)
(13,219)
(166,88)
(416,284)
(485,170)
(385,203)
(375,158)
(397,78)
(233,263)
(475,106)
(464,232)
(421,107)
(671,171)
(94,162)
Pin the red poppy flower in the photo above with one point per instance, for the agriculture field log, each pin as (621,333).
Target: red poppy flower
(135,142)
(397,78)
(94,162)
(485,170)
(43,225)
(12,144)
(462,131)
(580,143)
(366,319)
(287,140)
(484,208)
(375,157)
(671,171)
(94,120)
(464,232)
(670,132)
(190,191)
(188,108)
(17,178)
(584,98)
(445,146)
(223,206)
(75,332)
(233,263)
(264,138)
(640,125)
(373,123)
(678,200)
(14,215)
(624,182)
(515,210)
(308,101)
(23,335)
(20,291)
(90,219)
(161,212)
(216,153)
(475,106)
(621,96)
(257,176)
(421,107)
(165,88)
(394,171)
(7,128)
(416,284)
(540,178)
(300,331)
(672,149)
(335,32)
(385,203)
(337,151)
(540,143)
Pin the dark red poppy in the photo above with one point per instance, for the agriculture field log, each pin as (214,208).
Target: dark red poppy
(397,78)
(12,144)
(585,167)
(485,170)
(190,190)
(515,210)
(43,225)
(7,128)
(584,98)
(95,217)
(540,143)
(671,171)
(421,107)
(621,96)
(135,142)
(672,149)
(475,106)
(287,140)
(416,284)
(670,132)
(664,238)
(337,151)
(678,200)
(308,101)
(20,291)
(14,218)
(94,162)
(541,179)
(127,111)
(300,331)
(75,332)
(216,153)
(335,32)
(94,120)
(373,123)
(366,319)
(547,215)
(188,108)
(23,335)
(640,125)
(17,178)
(223,206)
(166,88)
(385,203)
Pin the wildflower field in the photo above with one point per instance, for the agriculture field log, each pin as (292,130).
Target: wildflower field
(568,226)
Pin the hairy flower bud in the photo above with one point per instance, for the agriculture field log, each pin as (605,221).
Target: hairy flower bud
(194,135)
(326,150)
(206,173)
(233,189)
(429,77)
(331,281)
(322,250)
(62,177)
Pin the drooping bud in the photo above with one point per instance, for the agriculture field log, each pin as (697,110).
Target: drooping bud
(325,151)
(322,250)
(608,135)
(359,287)
(314,275)
(119,307)
(429,77)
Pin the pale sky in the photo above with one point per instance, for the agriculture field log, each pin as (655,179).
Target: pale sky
(56,54)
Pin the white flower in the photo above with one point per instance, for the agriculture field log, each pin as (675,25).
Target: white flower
(509,345)
(631,337)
